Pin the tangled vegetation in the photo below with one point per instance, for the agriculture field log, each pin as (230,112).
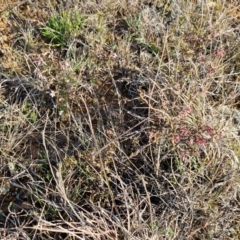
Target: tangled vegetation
(120,120)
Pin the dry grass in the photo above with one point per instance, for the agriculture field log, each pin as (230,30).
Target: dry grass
(126,129)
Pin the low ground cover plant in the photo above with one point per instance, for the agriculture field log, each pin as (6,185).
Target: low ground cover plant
(119,120)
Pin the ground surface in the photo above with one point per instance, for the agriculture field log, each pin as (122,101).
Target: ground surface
(125,128)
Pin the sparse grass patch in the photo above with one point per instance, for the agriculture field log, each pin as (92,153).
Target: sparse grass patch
(60,29)
(126,126)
